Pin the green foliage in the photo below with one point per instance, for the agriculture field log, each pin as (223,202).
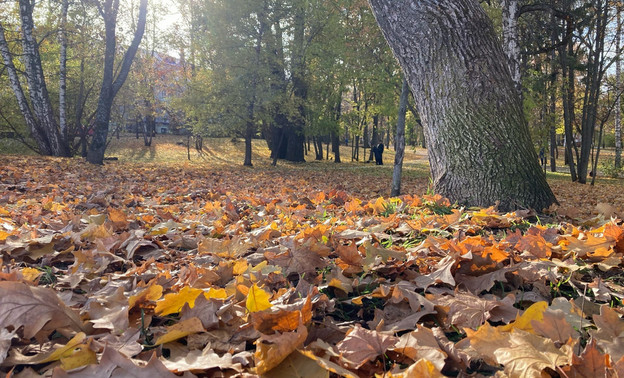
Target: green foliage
(610,170)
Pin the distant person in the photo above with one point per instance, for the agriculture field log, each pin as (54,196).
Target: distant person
(378,151)
(542,156)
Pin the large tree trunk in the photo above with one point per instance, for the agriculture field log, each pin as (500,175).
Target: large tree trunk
(111,85)
(480,150)
(400,141)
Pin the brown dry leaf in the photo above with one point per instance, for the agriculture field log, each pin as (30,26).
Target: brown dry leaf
(422,368)
(271,350)
(114,364)
(37,309)
(297,365)
(527,355)
(199,360)
(591,363)
(328,365)
(421,344)
(204,309)
(467,310)
(361,345)
(554,326)
(5,342)
(610,333)
(487,340)
(442,274)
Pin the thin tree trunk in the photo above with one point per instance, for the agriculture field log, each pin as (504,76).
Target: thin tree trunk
(511,46)
(63,72)
(400,141)
(480,149)
(618,86)
(110,84)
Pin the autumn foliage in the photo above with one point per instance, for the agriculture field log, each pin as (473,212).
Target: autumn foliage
(147,271)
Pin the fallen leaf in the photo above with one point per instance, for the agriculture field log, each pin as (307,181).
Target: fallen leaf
(180,330)
(527,355)
(271,350)
(361,345)
(37,309)
(257,299)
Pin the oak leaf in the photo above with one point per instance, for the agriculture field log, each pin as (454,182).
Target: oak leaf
(114,364)
(297,365)
(38,309)
(591,363)
(421,344)
(271,350)
(180,330)
(200,360)
(610,333)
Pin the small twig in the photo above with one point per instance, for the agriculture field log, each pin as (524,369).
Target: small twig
(582,315)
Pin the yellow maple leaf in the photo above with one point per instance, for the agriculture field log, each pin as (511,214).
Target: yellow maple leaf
(523,322)
(257,299)
(173,302)
(152,293)
(216,293)
(31,274)
(180,330)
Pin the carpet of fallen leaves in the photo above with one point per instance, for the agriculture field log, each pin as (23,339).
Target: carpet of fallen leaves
(164,271)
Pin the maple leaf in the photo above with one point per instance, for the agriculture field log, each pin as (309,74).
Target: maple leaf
(172,303)
(39,310)
(527,355)
(257,299)
(467,310)
(361,345)
(554,326)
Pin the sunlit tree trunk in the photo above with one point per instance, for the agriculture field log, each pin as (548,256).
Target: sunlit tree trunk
(111,84)
(511,45)
(480,150)
(400,141)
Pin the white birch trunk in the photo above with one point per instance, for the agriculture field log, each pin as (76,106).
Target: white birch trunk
(510,40)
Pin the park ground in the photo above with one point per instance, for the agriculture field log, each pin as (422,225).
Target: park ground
(576,201)
(205,267)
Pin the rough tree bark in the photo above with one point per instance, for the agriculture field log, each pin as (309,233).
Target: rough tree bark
(400,141)
(111,84)
(480,150)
